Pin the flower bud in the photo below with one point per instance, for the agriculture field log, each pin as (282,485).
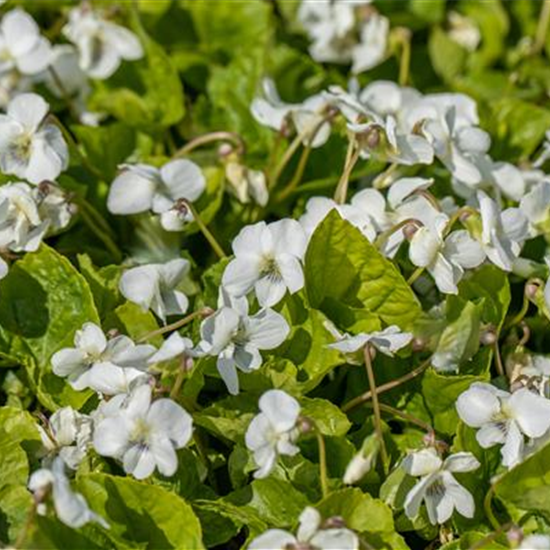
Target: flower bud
(224,150)
(113,333)
(363,461)
(418,343)
(488,337)
(334,522)
(531,288)
(305,425)
(514,536)
(410,229)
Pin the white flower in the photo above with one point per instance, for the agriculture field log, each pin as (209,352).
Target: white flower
(464,31)
(68,433)
(236,339)
(273,431)
(30,147)
(437,487)
(142,187)
(363,461)
(174,346)
(53,205)
(503,233)
(268,260)
(504,418)
(106,366)
(247,184)
(71,508)
(22,47)
(445,258)
(308,117)
(535,205)
(102,44)
(311,534)
(153,286)
(21,225)
(373,44)
(144,435)
(535,542)
(387,341)
(545,153)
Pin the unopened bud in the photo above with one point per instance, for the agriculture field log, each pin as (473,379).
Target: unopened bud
(531,288)
(113,333)
(488,337)
(514,536)
(410,230)
(464,215)
(334,522)
(370,138)
(305,425)
(224,150)
(418,343)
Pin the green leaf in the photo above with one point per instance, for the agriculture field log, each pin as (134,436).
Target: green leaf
(447,56)
(432,11)
(341,264)
(519,126)
(490,284)
(459,340)
(275,501)
(306,346)
(526,486)
(232,27)
(130,319)
(364,514)
(440,393)
(328,417)
(103,283)
(18,434)
(44,301)
(107,146)
(149,94)
(140,514)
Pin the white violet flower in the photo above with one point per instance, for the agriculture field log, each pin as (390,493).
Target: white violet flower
(267,259)
(106,366)
(437,487)
(31,147)
(144,435)
(273,431)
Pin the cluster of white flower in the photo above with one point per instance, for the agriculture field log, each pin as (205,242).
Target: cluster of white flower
(134,423)
(346,32)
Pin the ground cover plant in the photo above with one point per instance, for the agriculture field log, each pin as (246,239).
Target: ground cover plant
(275,274)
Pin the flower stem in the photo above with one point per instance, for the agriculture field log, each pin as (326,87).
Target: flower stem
(414,276)
(405,59)
(375,406)
(297,175)
(359,400)
(21,537)
(210,138)
(385,235)
(489,509)
(322,462)
(205,231)
(542,27)
(288,154)
(520,314)
(101,234)
(203,312)
(179,378)
(409,418)
(352,156)
(498,360)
